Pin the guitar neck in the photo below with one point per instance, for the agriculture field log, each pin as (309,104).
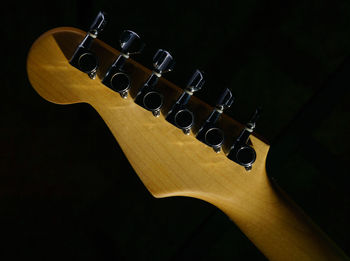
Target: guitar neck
(277,226)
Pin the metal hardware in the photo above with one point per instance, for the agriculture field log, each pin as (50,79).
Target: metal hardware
(83,58)
(241,152)
(179,115)
(116,78)
(147,97)
(153,102)
(163,62)
(208,133)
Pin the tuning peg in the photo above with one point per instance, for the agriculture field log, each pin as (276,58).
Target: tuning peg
(116,78)
(179,115)
(147,97)
(163,61)
(241,152)
(84,59)
(208,133)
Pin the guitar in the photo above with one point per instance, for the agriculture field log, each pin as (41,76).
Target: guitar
(219,160)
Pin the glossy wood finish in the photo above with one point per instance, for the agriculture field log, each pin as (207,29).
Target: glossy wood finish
(170,163)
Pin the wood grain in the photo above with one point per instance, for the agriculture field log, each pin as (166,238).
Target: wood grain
(170,163)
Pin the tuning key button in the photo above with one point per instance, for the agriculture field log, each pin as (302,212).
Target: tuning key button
(131,43)
(98,24)
(116,78)
(241,152)
(163,62)
(209,133)
(83,58)
(148,97)
(179,115)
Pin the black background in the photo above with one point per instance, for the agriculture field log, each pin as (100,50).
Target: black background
(68,192)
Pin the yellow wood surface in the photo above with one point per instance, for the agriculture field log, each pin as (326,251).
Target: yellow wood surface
(170,163)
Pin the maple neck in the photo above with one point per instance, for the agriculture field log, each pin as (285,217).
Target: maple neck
(277,226)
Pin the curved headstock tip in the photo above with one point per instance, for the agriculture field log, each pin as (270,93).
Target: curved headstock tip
(48,69)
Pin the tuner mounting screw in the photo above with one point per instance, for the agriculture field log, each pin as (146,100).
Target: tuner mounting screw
(156,113)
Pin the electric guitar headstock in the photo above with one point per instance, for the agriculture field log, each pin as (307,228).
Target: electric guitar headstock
(177,144)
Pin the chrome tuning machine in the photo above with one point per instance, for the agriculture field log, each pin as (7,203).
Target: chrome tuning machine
(83,58)
(116,78)
(240,151)
(179,115)
(148,97)
(209,133)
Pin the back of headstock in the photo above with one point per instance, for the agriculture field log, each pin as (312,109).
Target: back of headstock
(167,161)
(67,65)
